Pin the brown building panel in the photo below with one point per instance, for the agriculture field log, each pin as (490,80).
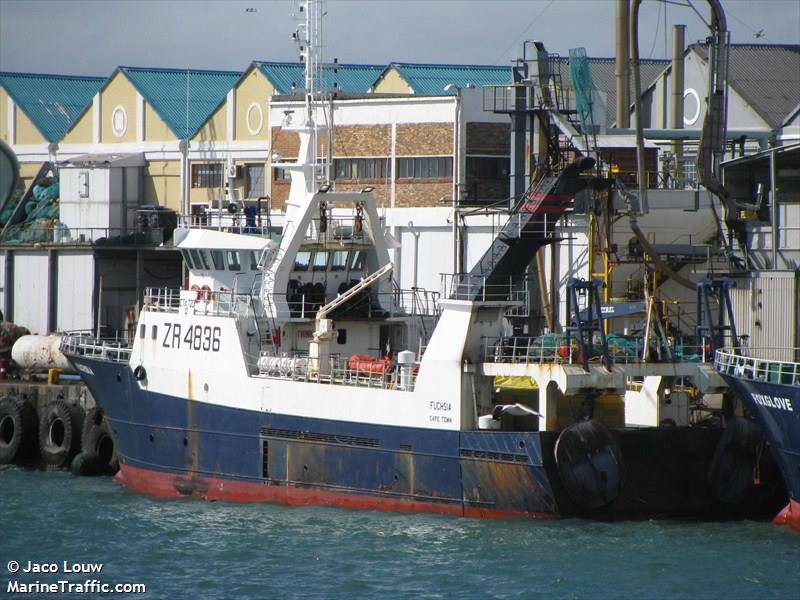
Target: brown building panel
(284,142)
(280,192)
(424,139)
(488,138)
(362,140)
(424,192)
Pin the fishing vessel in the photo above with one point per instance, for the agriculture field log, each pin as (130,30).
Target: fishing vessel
(296,371)
(768,382)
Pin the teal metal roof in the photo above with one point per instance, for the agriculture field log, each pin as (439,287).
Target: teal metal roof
(431,80)
(349,78)
(183,98)
(51,102)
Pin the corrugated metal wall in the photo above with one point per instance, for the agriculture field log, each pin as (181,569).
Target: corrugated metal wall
(765,307)
(31,291)
(75,289)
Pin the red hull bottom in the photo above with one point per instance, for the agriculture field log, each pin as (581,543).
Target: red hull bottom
(172,485)
(790,515)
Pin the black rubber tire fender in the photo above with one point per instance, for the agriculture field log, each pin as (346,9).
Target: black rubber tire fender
(96,438)
(17,430)
(59,433)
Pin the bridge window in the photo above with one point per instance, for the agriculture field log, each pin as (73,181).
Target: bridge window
(234,263)
(357,260)
(320,261)
(199,259)
(219,260)
(302,260)
(188,258)
(339,260)
(253,260)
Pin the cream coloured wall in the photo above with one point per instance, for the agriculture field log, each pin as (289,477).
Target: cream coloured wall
(215,128)
(117,92)
(26,130)
(253,89)
(155,130)
(162,183)
(81,130)
(392,83)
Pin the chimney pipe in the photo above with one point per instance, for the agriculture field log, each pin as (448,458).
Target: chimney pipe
(678,50)
(622,68)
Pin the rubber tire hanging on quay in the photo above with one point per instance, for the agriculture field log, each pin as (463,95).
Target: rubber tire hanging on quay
(59,433)
(96,439)
(17,430)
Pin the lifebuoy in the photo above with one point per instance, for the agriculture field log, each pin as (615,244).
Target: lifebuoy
(204,293)
(17,430)
(96,439)
(59,433)
(196,290)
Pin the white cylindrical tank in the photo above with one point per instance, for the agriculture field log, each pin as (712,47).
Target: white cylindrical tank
(406,360)
(40,353)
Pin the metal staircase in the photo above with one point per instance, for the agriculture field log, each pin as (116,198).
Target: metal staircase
(529,227)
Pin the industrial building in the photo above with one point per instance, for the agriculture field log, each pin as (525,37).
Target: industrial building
(442,146)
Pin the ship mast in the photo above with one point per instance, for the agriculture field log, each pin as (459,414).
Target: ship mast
(308,37)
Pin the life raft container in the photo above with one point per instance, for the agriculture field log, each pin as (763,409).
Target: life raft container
(368,363)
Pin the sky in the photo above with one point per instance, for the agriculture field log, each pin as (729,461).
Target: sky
(93,37)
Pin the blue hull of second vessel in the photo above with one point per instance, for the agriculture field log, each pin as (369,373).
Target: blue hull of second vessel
(776,408)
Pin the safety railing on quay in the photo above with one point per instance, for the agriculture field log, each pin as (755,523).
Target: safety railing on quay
(60,233)
(110,350)
(769,365)
(359,371)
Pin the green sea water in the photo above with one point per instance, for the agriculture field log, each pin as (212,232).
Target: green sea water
(198,549)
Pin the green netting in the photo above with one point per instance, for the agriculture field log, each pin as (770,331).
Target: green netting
(41,215)
(590,105)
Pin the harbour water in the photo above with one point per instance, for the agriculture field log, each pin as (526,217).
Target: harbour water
(203,549)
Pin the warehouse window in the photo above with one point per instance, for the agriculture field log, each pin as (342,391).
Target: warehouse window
(281,174)
(425,167)
(360,168)
(207,175)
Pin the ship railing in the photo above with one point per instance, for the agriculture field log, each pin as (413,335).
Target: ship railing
(230,223)
(110,350)
(768,365)
(340,370)
(465,286)
(416,301)
(198,302)
(337,229)
(553,349)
